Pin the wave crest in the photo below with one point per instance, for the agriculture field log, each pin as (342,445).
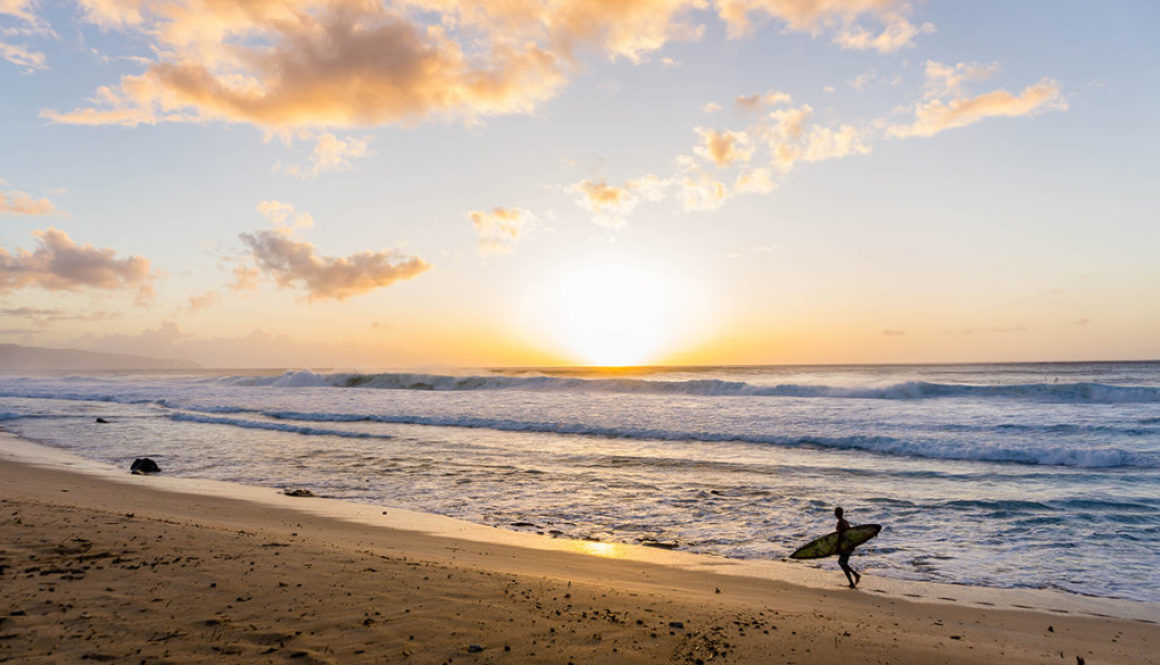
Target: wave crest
(1089,392)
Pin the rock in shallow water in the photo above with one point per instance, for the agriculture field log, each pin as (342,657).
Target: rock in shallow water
(143,465)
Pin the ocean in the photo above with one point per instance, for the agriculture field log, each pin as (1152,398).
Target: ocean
(1004,475)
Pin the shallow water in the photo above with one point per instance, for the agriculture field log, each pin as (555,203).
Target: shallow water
(1025,475)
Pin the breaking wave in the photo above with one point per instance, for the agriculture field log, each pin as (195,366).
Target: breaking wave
(910,390)
(1049,455)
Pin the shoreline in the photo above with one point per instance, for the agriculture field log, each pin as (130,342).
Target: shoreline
(99,564)
(16,449)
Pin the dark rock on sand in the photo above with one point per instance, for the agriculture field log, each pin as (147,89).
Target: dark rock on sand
(298,492)
(474,648)
(144,465)
(102,421)
(660,545)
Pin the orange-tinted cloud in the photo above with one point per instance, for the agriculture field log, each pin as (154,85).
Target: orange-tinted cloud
(59,264)
(288,63)
(700,192)
(202,300)
(21,9)
(331,153)
(13,202)
(757,181)
(245,278)
(756,101)
(31,24)
(898,33)
(843,17)
(44,317)
(790,137)
(295,264)
(946,105)
(723,148)
(344,63)
(610,205)
(23,57)
(499,230)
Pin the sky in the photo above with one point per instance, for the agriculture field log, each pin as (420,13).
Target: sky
(427,183)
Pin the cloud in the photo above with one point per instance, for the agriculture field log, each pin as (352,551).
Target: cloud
(946,105)
(245,278)
(13,202)
(861,81)
(283,215)
(649,187)
(893,333)
(935,116)
(898,33)
(844,17)
(499,230)
(346,63)
(701,192)
(943,80)
(757,181)
(827,143)
(711,107)
(723,148)
(22,57)
(201,301)
(790,137)
(609,205)
(995,330)
(21,9)
(298,63)
(46,316)
(331,153)
(59,264)
(295,264)
(259,348)
(756,101)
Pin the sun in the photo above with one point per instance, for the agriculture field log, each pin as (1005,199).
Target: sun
(614,314)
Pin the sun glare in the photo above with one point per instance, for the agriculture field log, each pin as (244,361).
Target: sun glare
(614,315)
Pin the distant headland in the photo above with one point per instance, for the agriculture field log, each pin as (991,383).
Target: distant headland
(14,357)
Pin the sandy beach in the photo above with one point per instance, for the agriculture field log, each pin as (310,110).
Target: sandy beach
(130,570)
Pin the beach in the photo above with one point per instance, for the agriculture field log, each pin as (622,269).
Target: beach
(99,566)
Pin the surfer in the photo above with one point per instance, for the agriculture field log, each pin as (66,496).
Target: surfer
(852,575)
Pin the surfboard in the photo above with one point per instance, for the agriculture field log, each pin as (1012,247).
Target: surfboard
(827,545)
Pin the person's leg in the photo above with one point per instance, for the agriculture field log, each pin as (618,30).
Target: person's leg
(844,562)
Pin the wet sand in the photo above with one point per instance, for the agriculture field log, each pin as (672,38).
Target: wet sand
(130,571)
